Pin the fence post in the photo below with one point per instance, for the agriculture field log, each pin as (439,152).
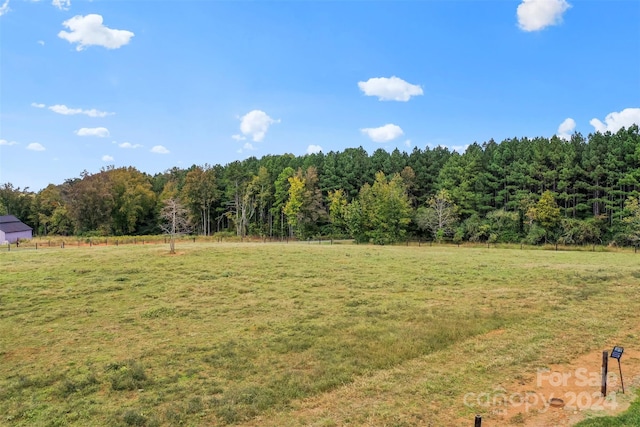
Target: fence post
(478,421)
(8,247)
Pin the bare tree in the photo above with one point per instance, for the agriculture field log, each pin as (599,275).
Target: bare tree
(174,221)
(439,216)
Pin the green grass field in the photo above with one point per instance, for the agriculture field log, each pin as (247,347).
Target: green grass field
(276,334)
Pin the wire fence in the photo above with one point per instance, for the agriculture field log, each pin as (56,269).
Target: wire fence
(62,242)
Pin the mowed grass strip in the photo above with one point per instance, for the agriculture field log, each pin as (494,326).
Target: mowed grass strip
(233,333)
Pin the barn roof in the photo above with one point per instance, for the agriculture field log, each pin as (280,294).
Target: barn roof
(11,224)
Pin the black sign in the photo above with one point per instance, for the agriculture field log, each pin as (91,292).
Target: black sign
(616,353)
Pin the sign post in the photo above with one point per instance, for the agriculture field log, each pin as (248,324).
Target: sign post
(616,353)
(605,371)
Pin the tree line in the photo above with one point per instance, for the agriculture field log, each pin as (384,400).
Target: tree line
(575,191)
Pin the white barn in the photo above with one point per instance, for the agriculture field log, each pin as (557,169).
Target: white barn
(12,229)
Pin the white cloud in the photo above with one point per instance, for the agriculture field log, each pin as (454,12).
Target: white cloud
(129,145)
(535,15)
(34,146)
(89,31)
(238,137)
(5,142)
(617,120)
(37,105)
(41,42)
(4,8)
(389,89)
(248,146)
(107,158)
(62,4)
(407,143)
(159,149)
(99,132)
(384,133)
(460,148)
(566,128)
(313,149)
(63,109)
(255,124)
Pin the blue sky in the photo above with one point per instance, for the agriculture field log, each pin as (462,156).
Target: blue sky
(158,84)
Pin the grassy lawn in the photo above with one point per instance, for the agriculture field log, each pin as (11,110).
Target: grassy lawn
(631,418)
(293,334)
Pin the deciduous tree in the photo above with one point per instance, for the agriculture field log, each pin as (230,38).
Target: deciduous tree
(386,209)
(304,208)
(337,207)
(439,216)
(174,221)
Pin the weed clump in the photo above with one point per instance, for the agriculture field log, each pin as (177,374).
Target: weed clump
(128,375)
(136,418)
(82,386)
